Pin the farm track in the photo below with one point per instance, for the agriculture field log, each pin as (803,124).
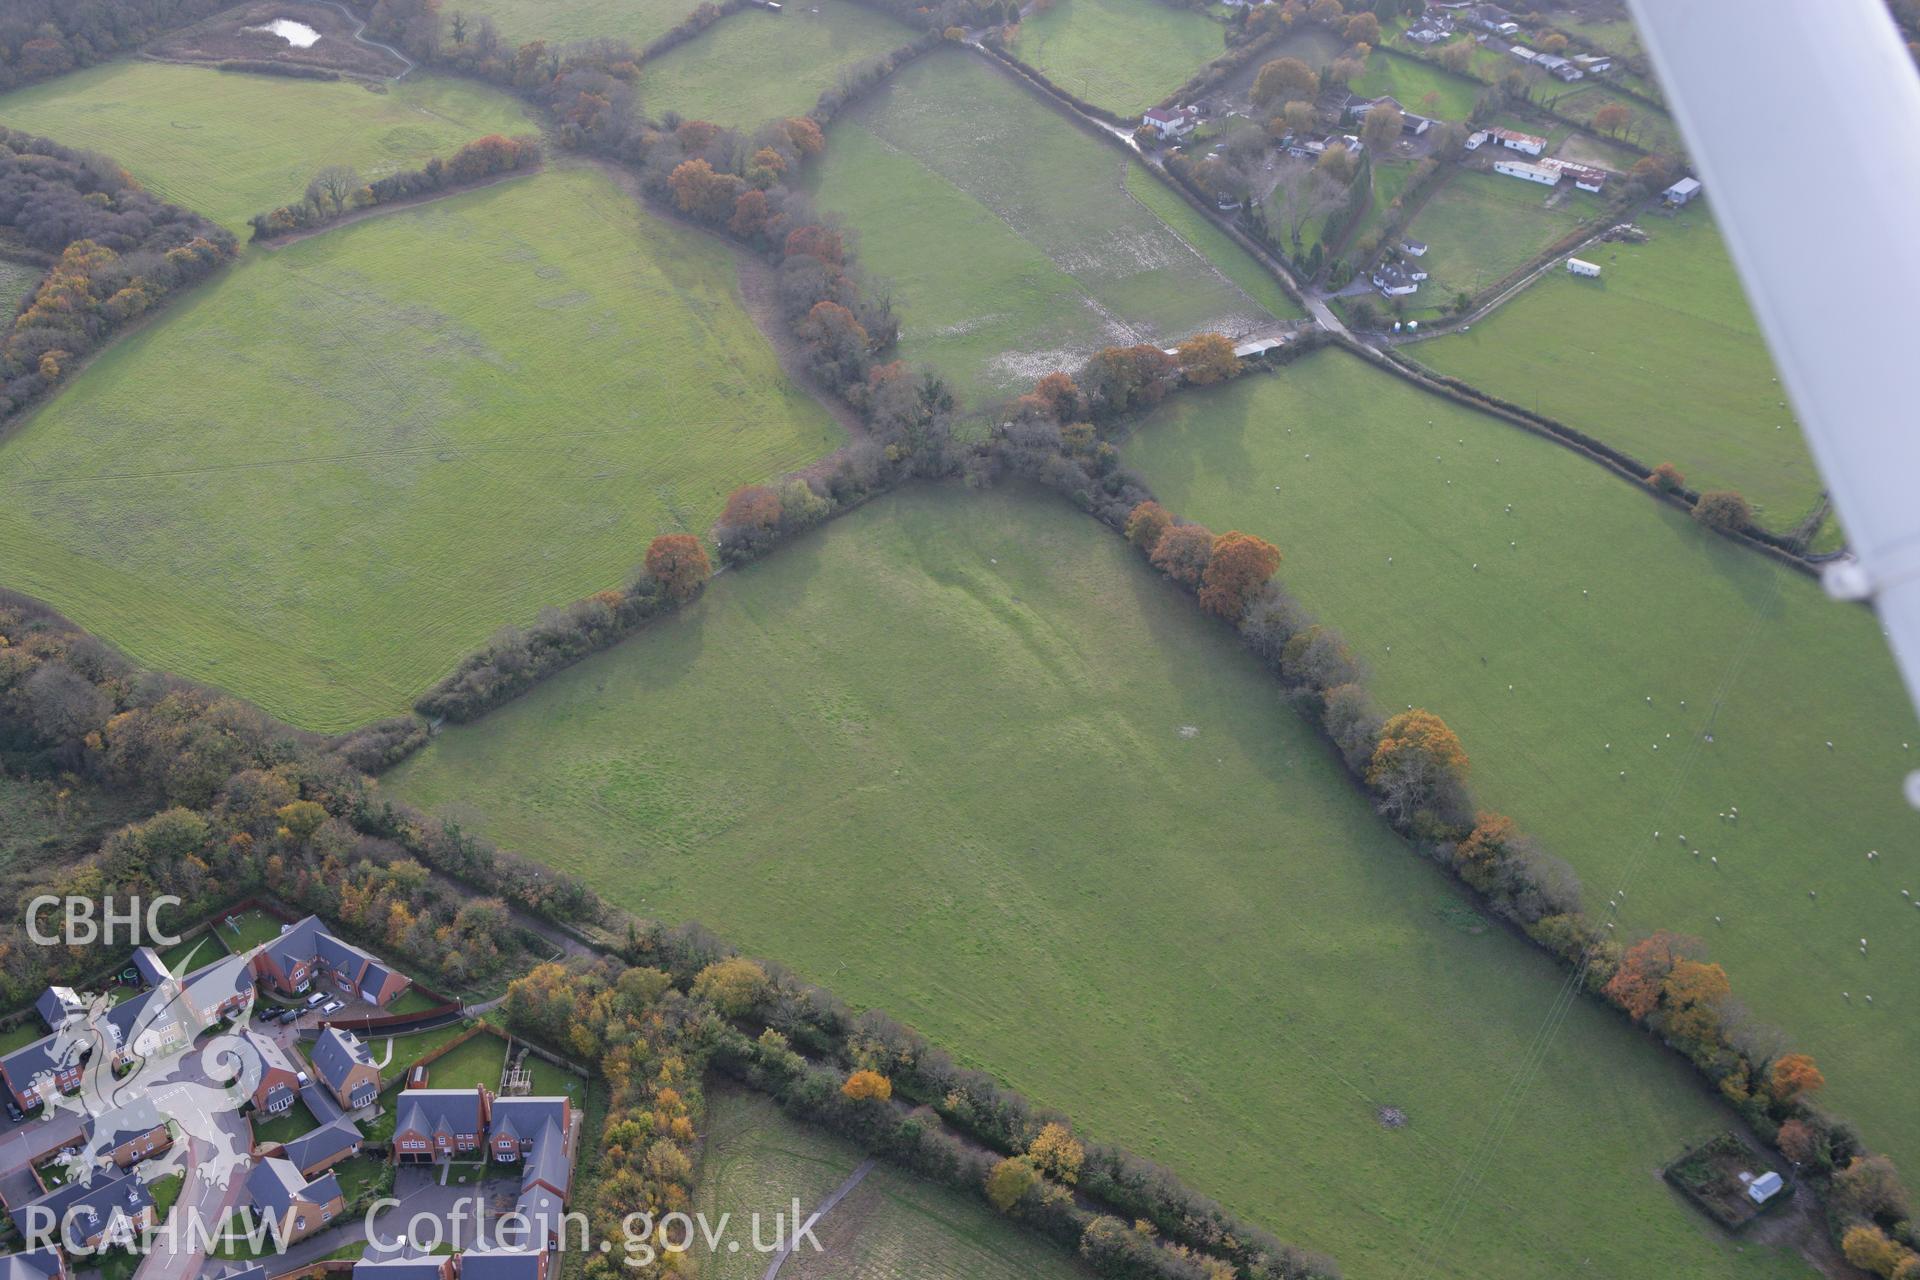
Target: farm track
(360,34)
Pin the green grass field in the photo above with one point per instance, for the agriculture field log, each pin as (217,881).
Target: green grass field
(321,478)
(1123,55)
(558,21)
(963,757)
(17,280)
(1479,227)
(755,65)
(1722,640)
(1651,129)
(477,1061)
(229,146)
(1660,357)
(759,1160)
(1051,245)
(1419,86)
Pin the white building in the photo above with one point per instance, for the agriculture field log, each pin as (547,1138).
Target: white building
(1683,191)
(1515,141)
(1581,267)
(1764,1187)
(1476,140)
(1394,282)
(1530,172)
(1172,122)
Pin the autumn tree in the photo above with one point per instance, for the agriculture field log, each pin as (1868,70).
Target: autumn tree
(679,564)
(734,985)
(1457,57)
(1285,80)
(1418,765)
(1238,566)
(1146,524)
(748,523)
(1009,1182)
(703,194)
(865,1085)
(1207,358)
(1382,128)
(1667,478)
(1301,193)
(1480,858)
(1613,117)
(301,819)
(1723,509)
(839,349)
(1183,552)
(1693,993)
(804,133)
(1118,379)
(1870,1188)
(1363,28)
(1057,1153)
(1640,980)
(1317,657)
(1793,1076)
(1801,1143)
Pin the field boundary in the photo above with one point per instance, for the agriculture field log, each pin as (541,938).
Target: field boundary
(273,244)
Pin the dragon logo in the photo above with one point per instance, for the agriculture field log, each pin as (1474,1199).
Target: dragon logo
(146,1068)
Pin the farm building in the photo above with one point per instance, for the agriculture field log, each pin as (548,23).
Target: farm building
(1523,53)
(1553,64)
(1413,248)
(1516,141)
(1682,191)
(1581,267)
(1409,122)
(1171,122)
(1764,1187)
(1539,173)
(1584,176)
(1594,64)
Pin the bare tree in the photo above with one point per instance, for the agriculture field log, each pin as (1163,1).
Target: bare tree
(1303,193)
(334,185)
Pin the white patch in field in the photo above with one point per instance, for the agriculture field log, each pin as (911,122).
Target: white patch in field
(297,34)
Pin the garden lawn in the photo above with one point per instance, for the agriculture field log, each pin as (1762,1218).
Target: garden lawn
(1049,244)
(1122,55)
(292,1123)
(195,953)
(758,65)
(560,21)
(477,1061)
(757,1159)
(963,757)
(1571,657)
(322,477)
(1651,129)
(229,146)
(1660,356)
(1420,87)
(1481,227)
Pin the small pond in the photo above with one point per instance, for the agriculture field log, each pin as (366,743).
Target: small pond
(297,34)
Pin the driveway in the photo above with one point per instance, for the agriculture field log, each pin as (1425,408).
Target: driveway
(29,1140)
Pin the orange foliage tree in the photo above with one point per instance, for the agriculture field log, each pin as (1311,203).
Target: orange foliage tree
(1793,1076)
(679,564)
(864,1085)
(1639,982)
(1147,524)
(1239,566)
(1417,759)
(1207,358)
(1182,553)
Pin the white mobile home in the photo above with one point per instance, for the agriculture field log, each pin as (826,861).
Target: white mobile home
(1581,267)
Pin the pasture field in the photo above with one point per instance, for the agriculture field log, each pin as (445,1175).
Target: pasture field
(1049,245)
(1123,55)
(1570,657)
(425,426)
(966,758)
(1389,179)
(760,1160)
(1660,357)
(17,280)
(1651,129)
(755,65)
(559,21)
(1418,86)
(1481,226)
(228,146)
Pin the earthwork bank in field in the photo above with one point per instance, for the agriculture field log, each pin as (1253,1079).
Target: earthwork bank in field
(1660,357)
(229,146)
(1021,244)
(965,758)
(1584,645)
(322,478)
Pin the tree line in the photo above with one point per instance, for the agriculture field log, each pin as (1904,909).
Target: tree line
(116,251)
(1416,771)
(338,190)
(43,38)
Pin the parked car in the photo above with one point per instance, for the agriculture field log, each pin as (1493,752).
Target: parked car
(332,1006)
(316,998)
(13,1111)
